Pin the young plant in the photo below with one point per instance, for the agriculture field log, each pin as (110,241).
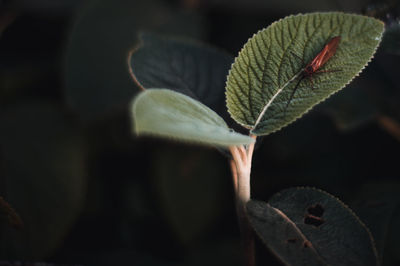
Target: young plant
(279,75)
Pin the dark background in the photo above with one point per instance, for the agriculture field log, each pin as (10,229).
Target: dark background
(90,193)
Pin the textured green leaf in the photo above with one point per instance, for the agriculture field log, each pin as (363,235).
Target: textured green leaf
(167,113)
(305,226)
(188,67)
(268,67)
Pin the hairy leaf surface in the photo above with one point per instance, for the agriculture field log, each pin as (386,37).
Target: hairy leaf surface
(170,114)
(270,64)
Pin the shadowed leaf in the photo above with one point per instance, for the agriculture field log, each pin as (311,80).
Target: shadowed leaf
(189,185)
(305,226)
(188,67)
(43,178)
(351,108)
(391,39)
(377,204)
(97,81)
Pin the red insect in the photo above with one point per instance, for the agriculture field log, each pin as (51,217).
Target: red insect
(313,67)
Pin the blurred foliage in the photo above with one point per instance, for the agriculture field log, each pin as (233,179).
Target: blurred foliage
(96,78)
(188,190)
(43,177)
(378,205)
(89,193)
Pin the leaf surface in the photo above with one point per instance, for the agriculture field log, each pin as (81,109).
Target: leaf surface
(269,66)
(188,67)
(170,114)
(305,226)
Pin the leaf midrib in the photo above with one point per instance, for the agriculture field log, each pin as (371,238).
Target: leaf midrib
(261,115)
(258,120)
(300,233)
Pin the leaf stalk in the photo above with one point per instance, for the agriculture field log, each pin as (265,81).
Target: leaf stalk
(241,169)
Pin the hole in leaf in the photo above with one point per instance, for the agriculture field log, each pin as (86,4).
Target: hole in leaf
(316,210)
(313,220)
(313,217)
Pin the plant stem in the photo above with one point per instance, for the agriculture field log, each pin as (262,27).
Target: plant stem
(241,168)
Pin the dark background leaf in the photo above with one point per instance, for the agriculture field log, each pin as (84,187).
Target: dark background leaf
(43,158)
(305,226)
(351,109)
(391,38)
(188,187)
(194,69)
(378,206)
(96,77)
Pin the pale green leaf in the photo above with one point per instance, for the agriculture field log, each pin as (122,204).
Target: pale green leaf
(306,226)
(265,73)
(182,65)
(170,114)
(189,67)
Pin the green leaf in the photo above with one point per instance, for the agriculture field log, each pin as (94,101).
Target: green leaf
(305,226)
(170,114)
(269,66)
(187,67)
